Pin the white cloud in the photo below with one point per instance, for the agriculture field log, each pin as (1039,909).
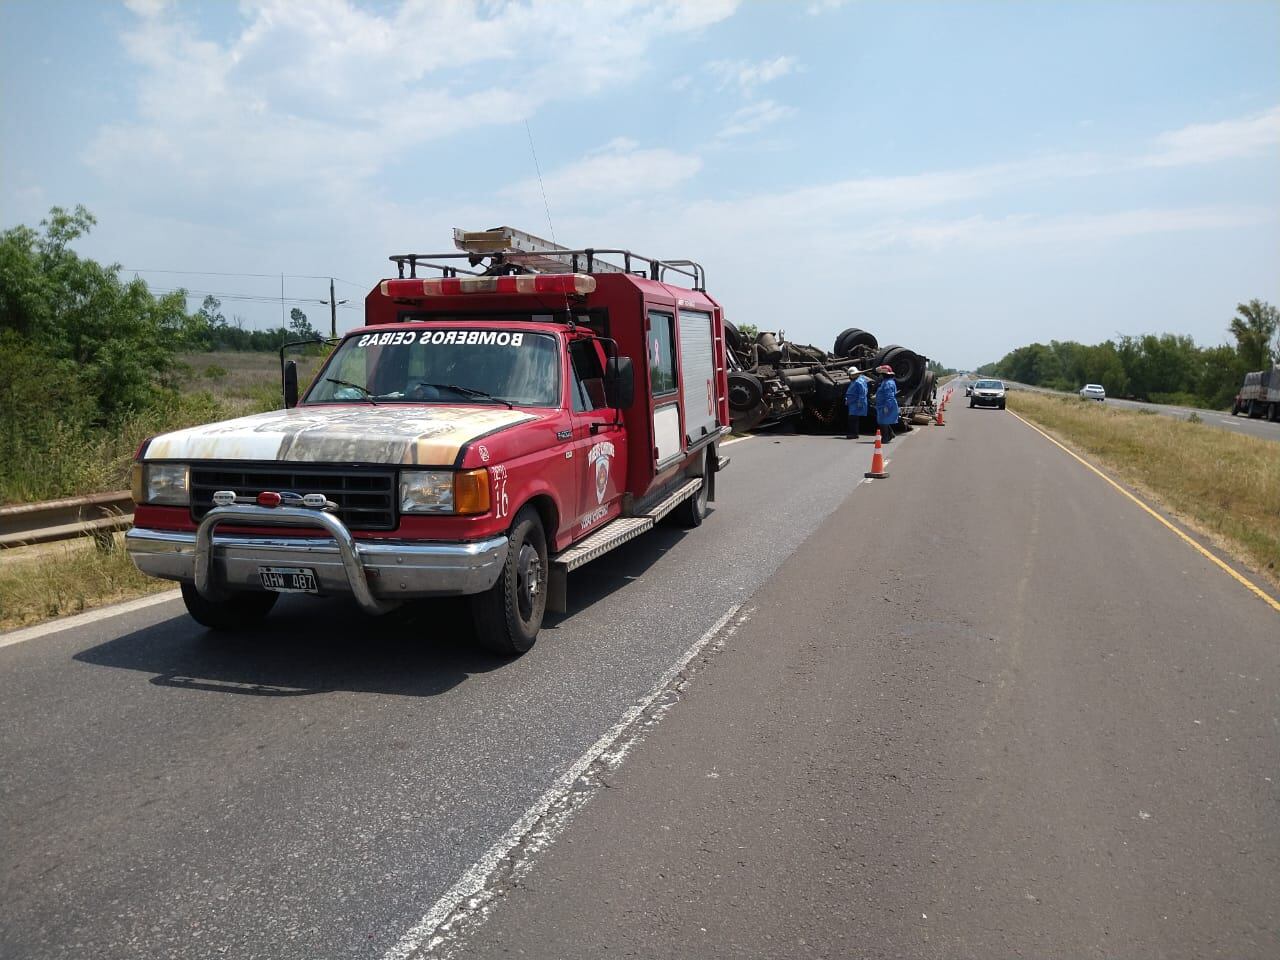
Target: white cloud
(753,118)
(320,97)
(1213,142)
(619,170)
(819,7)
(747,75)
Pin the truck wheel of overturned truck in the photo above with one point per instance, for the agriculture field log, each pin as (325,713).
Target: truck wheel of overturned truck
(508,615)
(235,611)
(691,511)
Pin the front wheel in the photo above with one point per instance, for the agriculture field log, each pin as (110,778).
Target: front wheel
(972,404)
(691,511)
(508,615)
(1001,404)
(233,612)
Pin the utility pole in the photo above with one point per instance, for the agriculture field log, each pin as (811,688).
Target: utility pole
(334,304)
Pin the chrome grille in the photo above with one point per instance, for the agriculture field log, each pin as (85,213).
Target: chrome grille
(366,499)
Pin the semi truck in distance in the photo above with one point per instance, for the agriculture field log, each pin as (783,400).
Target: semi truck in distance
(1259,395)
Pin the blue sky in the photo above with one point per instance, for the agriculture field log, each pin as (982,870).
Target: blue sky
(961,178)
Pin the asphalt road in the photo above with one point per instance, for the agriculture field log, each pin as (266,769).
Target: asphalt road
(1215,418)
(983,708)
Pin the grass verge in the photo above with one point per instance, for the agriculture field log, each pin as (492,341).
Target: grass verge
(70,577)
(1224,484)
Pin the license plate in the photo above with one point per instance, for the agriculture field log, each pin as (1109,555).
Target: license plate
(289,579)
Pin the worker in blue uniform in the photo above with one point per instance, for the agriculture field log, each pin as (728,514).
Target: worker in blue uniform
(855,401)
(886,403)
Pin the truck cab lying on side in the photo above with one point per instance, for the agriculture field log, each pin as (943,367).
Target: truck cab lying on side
(484,434)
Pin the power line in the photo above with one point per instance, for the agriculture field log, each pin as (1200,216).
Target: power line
(255,298)
(264,276)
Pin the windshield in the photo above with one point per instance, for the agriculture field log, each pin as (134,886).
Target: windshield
(438,365)
(989,385)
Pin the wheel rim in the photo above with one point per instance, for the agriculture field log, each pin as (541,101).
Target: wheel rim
(528,579)
(703,494)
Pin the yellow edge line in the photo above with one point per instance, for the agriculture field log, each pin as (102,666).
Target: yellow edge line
(1244,581)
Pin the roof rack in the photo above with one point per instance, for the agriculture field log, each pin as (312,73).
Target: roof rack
(504,250)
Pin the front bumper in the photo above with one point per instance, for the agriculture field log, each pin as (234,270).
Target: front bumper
(986,401)
(376,572)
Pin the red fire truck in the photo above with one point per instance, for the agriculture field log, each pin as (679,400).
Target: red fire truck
(509,412)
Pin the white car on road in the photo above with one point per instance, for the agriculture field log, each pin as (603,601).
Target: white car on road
(1092,391)
(987,393)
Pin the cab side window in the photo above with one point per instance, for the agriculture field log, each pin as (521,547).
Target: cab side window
(662,354)
(587,391)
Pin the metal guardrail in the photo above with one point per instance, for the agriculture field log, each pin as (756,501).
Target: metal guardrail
(29,523)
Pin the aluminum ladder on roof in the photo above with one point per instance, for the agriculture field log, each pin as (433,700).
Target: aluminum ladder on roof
(517,246)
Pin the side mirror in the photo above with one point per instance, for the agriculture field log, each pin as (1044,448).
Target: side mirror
(290,384)
(620,383)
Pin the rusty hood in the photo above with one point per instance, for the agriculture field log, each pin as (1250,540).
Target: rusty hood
(392,434)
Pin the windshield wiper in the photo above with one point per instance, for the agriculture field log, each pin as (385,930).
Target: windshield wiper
(364,391)
(470,392)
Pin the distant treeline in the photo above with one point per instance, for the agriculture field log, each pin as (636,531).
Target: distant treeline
(1161,368)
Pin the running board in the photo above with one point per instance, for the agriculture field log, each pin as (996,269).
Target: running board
(611,535)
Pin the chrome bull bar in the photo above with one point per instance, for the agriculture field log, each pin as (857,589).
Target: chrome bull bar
(284,517)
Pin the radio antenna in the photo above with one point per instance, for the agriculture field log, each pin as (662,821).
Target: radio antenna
(541,186)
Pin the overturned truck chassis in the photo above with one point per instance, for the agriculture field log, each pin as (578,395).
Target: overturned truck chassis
(771,379)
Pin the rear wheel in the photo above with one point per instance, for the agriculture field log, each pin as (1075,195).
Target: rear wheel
(235,611)
(691,511)
(508,615)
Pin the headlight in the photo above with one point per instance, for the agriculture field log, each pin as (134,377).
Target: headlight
(426,491)
(166,484)
(444,491)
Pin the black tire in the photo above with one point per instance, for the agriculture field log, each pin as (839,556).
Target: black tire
(1254,411)
(508,615)
(734,337)
(691,511)
(745,391)
(1235,409)
(1001,404)
(851,338)
(972,404)
(234,612)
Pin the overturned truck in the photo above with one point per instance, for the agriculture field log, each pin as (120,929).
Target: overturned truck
(772,379)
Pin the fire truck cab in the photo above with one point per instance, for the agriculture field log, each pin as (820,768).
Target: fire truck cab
(508,413)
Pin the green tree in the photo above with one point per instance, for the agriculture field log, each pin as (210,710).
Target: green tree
(1253,326)
(299,326)
(115,338)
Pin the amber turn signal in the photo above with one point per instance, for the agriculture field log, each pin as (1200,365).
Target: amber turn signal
(471,491)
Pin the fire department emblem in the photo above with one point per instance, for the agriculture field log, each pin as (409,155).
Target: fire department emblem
(598,458)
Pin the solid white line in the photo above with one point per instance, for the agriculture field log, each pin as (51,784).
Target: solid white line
(427,933)
(92,616)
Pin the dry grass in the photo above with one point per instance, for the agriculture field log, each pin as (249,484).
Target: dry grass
(1224,484)
(66,578)
(241,383)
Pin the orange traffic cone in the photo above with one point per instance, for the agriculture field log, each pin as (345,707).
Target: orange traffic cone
(877,471)
(938,419)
